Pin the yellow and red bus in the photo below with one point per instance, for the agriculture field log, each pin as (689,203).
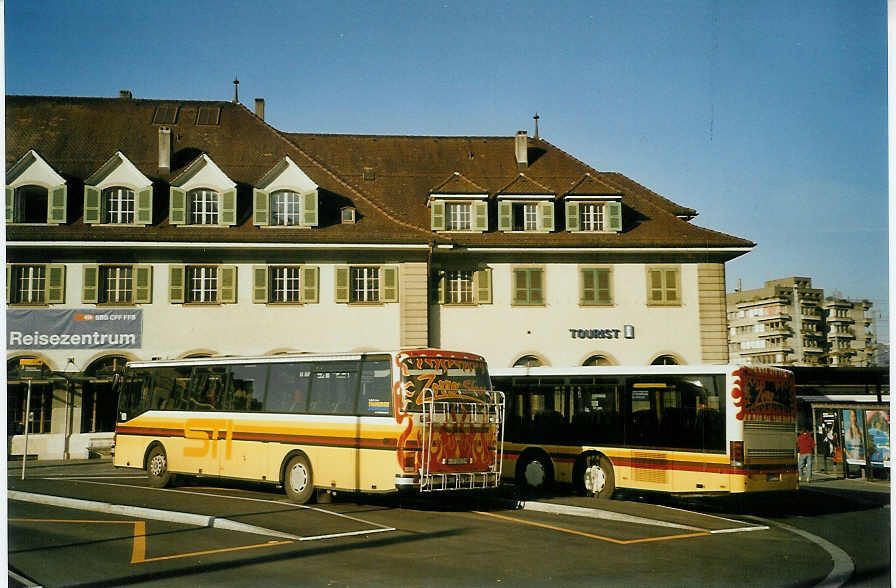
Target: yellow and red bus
(424,419)
(671,428)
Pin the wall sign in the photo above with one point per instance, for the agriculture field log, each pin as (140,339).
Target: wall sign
(42,328)
(627,332)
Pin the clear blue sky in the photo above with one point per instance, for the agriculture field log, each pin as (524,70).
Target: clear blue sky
(768,117)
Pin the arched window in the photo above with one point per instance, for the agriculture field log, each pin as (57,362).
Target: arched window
(105,367)
(203,206)
(664,360)
(30,204)
(118,206)
(286,208)
(527,361)
(597,360)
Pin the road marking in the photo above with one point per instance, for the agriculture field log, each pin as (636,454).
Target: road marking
(87,477)
(592,535)
(138,548)
(843,564)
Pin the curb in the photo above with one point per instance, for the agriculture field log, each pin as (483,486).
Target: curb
(170,516)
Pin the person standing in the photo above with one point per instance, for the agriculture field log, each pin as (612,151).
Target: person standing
(806,446)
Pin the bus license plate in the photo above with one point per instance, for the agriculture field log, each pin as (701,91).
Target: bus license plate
(457,460)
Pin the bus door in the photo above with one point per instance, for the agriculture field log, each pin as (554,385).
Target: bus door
(332,423)
(240,455)
(651,408)
(208,430)
(378,433)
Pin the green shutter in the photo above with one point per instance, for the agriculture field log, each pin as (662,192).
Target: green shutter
(480,216)
(536,287)
(261,204)
(342,283)
(177,206)
(309,209)
(227,284)
(176,277)
(228,208)
(588,293)
(671,286)
(437,215)
(55,284)
(143,214)
(482,281)
(614,216)
(389,283)
(91,205)
(520,287)
(440,286)
(56,204)
(656,286)
(259,284)
(90,289)
(10,204)
(142,284)
(8,279)
(602,286)
(546,216)
(572,216)
(505,216)
(310,287)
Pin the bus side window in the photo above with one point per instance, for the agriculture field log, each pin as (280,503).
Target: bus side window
(207,388)
(287,389)
(169,387)
(376,388)
(334,388)
(249,384)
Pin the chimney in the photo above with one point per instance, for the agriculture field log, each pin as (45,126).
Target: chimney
(521,148)
(164,150)
(259,108)
(125,94)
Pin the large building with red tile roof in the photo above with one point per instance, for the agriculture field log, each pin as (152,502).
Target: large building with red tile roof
(179,228)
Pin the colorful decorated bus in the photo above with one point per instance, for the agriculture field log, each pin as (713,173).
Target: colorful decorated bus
(682,429)
(426,420)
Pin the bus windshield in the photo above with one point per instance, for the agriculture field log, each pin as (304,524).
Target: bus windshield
(447,378)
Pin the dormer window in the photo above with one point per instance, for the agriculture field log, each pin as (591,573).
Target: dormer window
(35,193)
(202,195)
(347,215)
(525,205)
(203,206)
(594,217)
(458,204)
(285,197)
(458,216)
(117,194)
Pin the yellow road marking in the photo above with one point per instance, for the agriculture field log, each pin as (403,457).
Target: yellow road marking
(138,551)
(592,535)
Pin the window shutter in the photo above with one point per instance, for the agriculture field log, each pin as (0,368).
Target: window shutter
(260,207)
(228,208)
(572,216)
(142,284)
(536,287)
(177,209)
(520,288)
(90,289)
(505,216)
(437,215)
(309,209)
(91,205)
(8,276)
(546,216)
(671,285)
(614,216)
(656,286)
(55,284)
(440,286)
(259,284)
(56,204)
(227,284)
(602,286)
(176,283)
(389,284)
(342,284)
(310,290)
(10,202)
(482,279)
(143,214)
(480,216)
(588,291)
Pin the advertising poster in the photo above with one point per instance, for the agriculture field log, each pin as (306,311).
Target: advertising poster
(61,329)
(877,424)
(853,446)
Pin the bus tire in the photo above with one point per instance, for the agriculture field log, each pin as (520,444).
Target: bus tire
(298,481)
(157,468)
(594,476)
(534,471)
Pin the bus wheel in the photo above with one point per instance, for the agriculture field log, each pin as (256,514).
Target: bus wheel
(534,471)
(594,476)
(297,480)
(157,468)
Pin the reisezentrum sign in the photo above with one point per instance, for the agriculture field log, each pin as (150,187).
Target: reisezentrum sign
(41,328)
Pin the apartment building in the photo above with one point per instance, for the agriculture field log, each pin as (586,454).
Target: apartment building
(788,322)
(141,229)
